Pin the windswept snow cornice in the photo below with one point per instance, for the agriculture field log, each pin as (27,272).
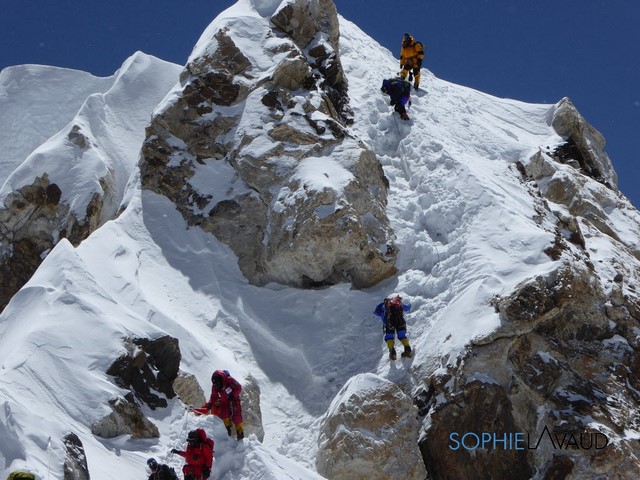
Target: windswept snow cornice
(37,101)
(111,119)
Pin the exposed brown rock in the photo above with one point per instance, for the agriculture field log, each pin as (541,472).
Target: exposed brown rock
(32,221)
(189,390)
(125,419)
(281,228)
(370,433)
(251,412)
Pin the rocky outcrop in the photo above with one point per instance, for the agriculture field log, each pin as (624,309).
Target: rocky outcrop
(32,222)
(126,418)
(584,147)
(370,433)
(256,152)
(75,461)
(189,390)
(564,178)
(551,393)
(583,204)
(147,368)
(251,412)
(306,22)
(553,390)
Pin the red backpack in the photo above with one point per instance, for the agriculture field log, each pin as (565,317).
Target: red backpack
(396,313)
(207,441)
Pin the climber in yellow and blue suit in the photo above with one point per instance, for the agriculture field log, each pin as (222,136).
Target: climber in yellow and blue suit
(411,57)
(391,311)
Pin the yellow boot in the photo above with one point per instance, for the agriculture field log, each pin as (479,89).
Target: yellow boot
(240,431)
(407,348)
(392,349)
(227,425)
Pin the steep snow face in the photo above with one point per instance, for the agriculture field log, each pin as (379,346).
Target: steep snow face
(462,215)
(37,101)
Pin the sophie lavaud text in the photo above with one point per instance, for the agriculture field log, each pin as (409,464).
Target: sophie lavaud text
(525,441)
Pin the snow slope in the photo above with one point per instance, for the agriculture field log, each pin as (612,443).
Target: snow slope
(464,224)
(36,101)
(463,219)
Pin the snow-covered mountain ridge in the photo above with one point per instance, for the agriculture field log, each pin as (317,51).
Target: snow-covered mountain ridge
(75,181)
(485,218)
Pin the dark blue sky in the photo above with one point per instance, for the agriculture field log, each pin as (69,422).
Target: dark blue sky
(535,51)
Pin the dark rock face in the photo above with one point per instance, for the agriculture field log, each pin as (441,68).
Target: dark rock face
(75,461)
(148,369)
(149,366)
(478,408)
(31,223)
(283,225)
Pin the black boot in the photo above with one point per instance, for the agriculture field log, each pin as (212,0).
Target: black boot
(392,354)
(407,352)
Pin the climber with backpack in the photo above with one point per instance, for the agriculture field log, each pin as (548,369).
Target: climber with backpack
(391,311)
(411,56)
(399,91)
(198,455)
(160,471)
(225,401)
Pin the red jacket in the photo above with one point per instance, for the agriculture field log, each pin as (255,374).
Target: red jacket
(198,457)
(230,390)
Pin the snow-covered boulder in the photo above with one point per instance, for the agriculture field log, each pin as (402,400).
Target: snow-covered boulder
(252,147)
(370,432)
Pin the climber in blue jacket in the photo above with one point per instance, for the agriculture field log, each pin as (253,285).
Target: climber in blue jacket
(391,311)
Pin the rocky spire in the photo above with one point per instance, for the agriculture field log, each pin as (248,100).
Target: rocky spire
(252,146)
